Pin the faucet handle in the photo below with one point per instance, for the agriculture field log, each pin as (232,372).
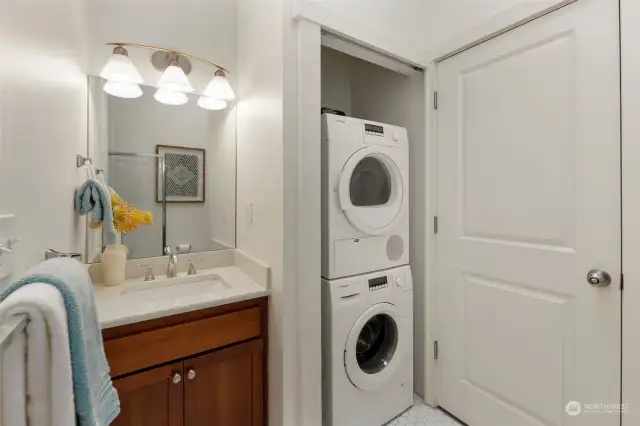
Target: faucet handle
(192,266)
(148,276)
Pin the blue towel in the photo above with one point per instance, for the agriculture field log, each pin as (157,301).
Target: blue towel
(94,197)
(95,398)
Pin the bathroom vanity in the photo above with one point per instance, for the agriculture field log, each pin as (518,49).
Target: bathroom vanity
(185,335)
(187,351)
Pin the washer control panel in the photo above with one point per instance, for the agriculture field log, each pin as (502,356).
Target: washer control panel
(378,283)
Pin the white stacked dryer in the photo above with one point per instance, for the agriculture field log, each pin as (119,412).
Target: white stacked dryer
(365,196)
(367,286)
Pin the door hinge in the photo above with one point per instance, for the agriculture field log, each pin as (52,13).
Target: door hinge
(435,100)
(621,282)
(435,224)
(435,349)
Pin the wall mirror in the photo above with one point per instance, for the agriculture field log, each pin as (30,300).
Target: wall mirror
(175,162)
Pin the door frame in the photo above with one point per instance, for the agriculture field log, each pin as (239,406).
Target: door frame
(495,27)
(630,156)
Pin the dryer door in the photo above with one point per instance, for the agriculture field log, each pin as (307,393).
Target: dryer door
(373,352)
(371,191)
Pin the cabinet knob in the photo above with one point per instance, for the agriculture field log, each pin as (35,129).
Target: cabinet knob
(191,374)
(176,378)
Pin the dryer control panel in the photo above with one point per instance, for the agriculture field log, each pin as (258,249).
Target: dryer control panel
(373,129)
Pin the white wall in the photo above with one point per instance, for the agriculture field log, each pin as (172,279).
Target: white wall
(380,94)
(337,70)
(303,212)
(365,90)
(393,26)
(261,226)
(43,97)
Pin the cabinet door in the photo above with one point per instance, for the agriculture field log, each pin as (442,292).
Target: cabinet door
(151,398)
(225,388)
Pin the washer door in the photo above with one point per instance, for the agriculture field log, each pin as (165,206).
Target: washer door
(371,191)
(373,354)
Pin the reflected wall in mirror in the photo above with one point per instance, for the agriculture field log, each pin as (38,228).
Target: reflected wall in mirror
(127,137)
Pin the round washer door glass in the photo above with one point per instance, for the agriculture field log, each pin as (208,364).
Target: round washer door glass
(371,191)
(373,349)
(377,343)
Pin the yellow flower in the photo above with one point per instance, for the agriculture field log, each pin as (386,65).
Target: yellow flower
(126,218)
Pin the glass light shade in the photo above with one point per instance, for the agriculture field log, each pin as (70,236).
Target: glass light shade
(120,68)
(122,89)
(212,104)
(168,97)
(175,80)
(219,88)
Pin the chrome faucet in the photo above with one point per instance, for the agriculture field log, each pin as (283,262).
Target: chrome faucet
(174,261)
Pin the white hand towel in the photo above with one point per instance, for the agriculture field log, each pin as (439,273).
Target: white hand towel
(49,379)
(13,365)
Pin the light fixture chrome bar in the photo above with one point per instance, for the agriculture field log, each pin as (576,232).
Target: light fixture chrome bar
(14,326)
(162,49)
(370,49)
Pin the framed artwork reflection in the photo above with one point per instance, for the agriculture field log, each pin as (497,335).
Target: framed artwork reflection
(185,174)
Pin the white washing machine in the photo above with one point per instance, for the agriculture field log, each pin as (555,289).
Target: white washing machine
(367,359)
(365,196)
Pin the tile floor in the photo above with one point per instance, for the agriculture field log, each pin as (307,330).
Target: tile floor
(423,415)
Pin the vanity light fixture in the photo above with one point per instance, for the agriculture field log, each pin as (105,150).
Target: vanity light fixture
(220,88)
(210,103)
(169,97)
(122,89)
(123,77)
(174,78)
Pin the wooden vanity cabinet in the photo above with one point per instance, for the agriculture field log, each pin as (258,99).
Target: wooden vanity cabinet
(216,376)
(225,387)
(151,397)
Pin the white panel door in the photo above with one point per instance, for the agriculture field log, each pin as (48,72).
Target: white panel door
(528,203)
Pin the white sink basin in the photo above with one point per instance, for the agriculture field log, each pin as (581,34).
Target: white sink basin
(173,288)
(136,300)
